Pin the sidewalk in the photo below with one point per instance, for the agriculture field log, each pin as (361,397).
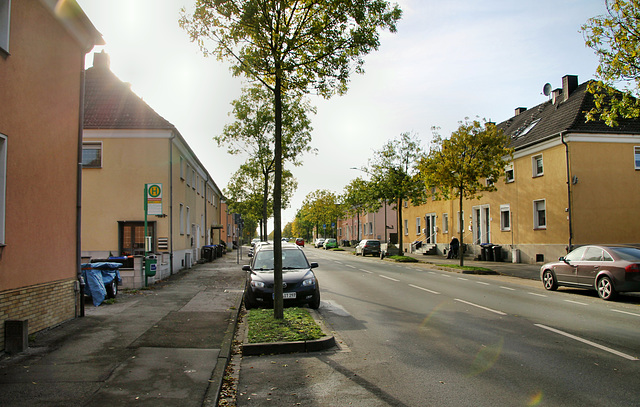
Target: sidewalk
(165,346)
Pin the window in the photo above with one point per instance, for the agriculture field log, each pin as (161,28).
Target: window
(91,155)
(417,226)
(458,222)
(489,182)
(3,184)
(194,179)
(509,174)
(538,169)
(406,226)
(539,214)
(636,154)
(505,217)
(132,237)
(5,18)
(181,219)
(182,168)
(187,221)
(188,175)
(445,223)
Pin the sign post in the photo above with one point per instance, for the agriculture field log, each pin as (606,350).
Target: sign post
(152,206)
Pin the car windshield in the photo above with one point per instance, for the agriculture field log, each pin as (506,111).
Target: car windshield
(291,259)
(627,253)
(373,243)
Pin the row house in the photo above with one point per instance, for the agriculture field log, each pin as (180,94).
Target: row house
(42,50)
(380,225)
(126,146)
(571,182)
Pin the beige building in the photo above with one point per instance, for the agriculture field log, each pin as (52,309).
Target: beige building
(571,183)
(127,145)
(42,51)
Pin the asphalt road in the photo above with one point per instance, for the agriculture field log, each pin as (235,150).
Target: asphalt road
(412,336)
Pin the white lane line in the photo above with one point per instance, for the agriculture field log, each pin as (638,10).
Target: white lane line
(338,262)
(480,306)
(424,289)
(536,294)
(349,265)
(507,288)
(389,278)
(576,302)
(432,272)
(366,271)
(463,279)
(482,282)
(446,275)
(626,312)
(596,345)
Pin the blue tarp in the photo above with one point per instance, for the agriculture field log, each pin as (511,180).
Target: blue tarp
(96,276)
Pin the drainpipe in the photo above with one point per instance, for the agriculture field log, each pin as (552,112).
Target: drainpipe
(566,150)
(171,203)
(79,193)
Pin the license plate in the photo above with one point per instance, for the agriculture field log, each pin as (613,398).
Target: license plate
(287,296)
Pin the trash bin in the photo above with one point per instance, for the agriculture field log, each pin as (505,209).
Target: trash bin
(150,265)
(497,253)
(206,253)
(486,253)
(219,250)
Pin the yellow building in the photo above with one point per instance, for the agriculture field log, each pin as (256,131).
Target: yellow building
(571,183)
(127,145)
(42,51)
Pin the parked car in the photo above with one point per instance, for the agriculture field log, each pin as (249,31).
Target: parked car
(254,241)
(319,242)
(607,269)
(368,246)
(300,285)
(300,241)
(330,244)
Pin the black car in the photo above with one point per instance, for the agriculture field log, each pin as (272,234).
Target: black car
(300,285)
(368,246)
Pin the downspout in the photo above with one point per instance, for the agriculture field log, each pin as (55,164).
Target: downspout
(566,150)
(79,193)
(171,203)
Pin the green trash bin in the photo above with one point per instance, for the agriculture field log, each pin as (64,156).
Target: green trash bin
(150,265)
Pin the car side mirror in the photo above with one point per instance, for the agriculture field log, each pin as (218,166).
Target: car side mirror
(563,260)
(313,265)
(250,255)
(246,268)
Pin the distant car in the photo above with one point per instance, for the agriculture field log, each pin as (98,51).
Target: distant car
(330,244)
(319,242)
(368,246)
(300,285)
(254,241)
(300,241)
(606,269)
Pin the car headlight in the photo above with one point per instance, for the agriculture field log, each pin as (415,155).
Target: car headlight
(257,284)
(308,282)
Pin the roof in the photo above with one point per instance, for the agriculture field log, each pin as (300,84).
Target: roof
(111,104)
(548,119)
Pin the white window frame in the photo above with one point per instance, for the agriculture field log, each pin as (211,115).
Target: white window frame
(418,231)
(188,175)
(3,186)
(636,157)
(5,24)
(181,168)
(445,223)
(92,145)
(460,228)
(534,166)
(188,221)
(505,209)
(509,170)
(181,219)
(536,214)
(406,227)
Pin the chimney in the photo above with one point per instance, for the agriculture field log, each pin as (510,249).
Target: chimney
(569,84)
(520,110)
(101,60)
(555,96)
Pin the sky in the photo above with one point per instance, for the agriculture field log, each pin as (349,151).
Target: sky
(448,60)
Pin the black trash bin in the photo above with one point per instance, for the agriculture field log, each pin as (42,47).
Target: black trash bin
(497,253)
(207,253)
(486,252)
(219,250)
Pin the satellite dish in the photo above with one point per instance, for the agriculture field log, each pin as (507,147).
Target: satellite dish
(546,89)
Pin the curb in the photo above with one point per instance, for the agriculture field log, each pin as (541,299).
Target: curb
(273,348)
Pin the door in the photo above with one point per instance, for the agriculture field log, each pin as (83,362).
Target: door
(131,237)
(481,225)
(590,266)
(430,228)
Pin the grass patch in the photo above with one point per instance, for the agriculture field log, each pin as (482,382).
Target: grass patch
(404,259)
(338,249)
(464,268)
(297,325)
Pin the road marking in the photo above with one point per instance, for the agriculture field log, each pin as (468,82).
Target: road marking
(463,279)
(366,271)
(539,295)
(446,275)
(604,348)
(507,288)
(424,289)
(432,272)
(389,278)
(349,265)
(480,306)
(626,312)
(576,302)
(482,282)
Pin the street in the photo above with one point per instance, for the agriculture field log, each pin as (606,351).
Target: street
(412,336)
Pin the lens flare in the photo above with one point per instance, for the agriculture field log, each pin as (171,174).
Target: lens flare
(486,358)
(535,399)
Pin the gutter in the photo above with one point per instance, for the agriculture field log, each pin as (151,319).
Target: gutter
(173,135)
(566,150)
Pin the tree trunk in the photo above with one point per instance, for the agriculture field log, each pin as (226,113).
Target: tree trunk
(265,202)
(278,302)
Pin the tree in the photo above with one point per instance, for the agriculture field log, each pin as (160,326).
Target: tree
(253,133)
(290,46)
(393,171)
(321,207)
(615,37)
(458,166)
(357,197)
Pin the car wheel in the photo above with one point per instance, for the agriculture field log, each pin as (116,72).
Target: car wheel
(605,289)
(549,281)
(112,289)
(315,302)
